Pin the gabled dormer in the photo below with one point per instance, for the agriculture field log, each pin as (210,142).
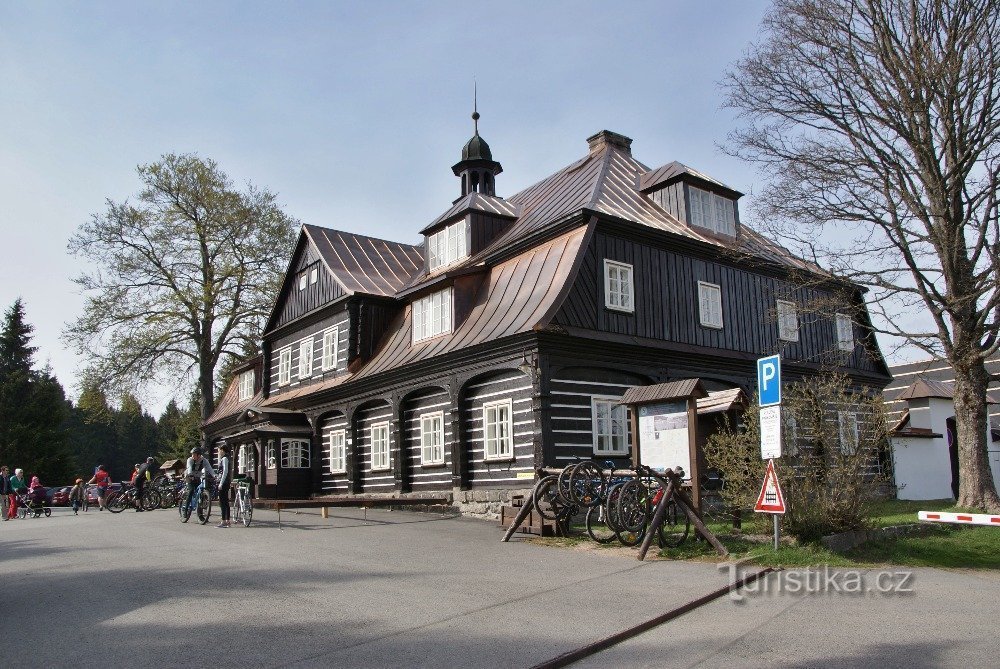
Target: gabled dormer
(694,198)
(468,227)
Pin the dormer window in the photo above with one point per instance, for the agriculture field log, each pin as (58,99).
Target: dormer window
(432,315)
(447,245)
(712,212)
(246,385)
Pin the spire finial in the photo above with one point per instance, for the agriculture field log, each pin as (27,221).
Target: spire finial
(475,111)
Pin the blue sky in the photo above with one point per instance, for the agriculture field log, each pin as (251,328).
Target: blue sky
(352,112)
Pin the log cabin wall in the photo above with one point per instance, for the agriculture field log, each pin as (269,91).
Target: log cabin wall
(332,483)
(422,477)
(508,385)
(296,302)
(369,480)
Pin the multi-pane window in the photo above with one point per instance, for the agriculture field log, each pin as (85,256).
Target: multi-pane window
(272,462)
(432,315)
(447,245)
(314,275)
(845,333)
(710,304)
(331,342)
(246,385)
(306,358)
(712,212)
(380,446)
(294,454)
(284,366)
(303,281)
(610,433)
(498,430)
(244,459)
(432,439)
(788,321)
(337,444)
(850,434)
(617,286)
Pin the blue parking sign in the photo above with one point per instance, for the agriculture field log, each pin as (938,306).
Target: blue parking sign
(769,380)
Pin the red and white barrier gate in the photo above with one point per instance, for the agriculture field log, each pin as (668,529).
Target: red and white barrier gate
(962,518)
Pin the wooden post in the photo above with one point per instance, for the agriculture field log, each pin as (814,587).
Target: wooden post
(635,434)
(693,452)
(529,504)
(658,515)
(685,504)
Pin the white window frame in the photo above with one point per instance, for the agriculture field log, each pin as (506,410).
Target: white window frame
(244,459)
(303,280)
(498,431)
(432,315)
(448,245)
(432,438)
(845,332)
(379,437)
(331,346)
(788,320)
(272,461)
(246,385)
(306,349)
(706,293)
(619,286)
(337,445)
(295,453)
(314,275)
(712,212)
(285,366)
(849,429)
(610,402)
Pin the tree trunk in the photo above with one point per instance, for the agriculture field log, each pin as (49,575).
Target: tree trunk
(976,488)
(206,383)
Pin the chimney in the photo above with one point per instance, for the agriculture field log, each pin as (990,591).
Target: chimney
(606,139)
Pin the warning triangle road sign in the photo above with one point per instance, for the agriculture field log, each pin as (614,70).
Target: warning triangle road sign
(770,499)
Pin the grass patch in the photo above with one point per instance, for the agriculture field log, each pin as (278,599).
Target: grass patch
(904,512)
(741,548)
(947,547)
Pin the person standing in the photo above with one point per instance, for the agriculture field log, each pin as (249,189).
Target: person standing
(197,469)
(17,487)
(6,492)
(225,478)
(143,475)
(76,496)
(103,481)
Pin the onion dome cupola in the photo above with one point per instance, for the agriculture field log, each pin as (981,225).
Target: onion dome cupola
(477,169)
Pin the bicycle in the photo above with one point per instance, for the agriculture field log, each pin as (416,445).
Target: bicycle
(126,498)
(634,509)
(200,499)
(243,504)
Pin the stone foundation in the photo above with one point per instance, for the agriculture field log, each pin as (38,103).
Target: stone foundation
(485,503)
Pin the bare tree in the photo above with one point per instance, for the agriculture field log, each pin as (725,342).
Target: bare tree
(881,120)
(180,279)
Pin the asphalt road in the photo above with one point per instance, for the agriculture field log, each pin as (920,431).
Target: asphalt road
(404,589)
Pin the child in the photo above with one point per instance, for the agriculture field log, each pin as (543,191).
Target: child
(36,493)
(76,496)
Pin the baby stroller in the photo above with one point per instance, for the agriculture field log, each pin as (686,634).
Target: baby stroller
(34,502)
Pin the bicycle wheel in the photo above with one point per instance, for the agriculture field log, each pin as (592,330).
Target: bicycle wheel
(247,510)
(675,528)
(597,525)
(48,512)
(150,499)
(586,484)
(184,507)
(546,498)
(204,507)
(117,502)
(632,507)
(563,487)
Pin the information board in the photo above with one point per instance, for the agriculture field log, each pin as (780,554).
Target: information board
(664,441)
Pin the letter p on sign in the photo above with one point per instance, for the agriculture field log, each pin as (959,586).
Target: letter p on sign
(769,380)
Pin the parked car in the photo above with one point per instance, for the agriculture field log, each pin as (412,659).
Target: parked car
(91,492)
(59,496)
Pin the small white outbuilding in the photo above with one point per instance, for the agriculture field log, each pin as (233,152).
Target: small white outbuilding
(924,452)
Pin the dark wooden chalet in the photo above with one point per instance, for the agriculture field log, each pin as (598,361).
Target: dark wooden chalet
(505,341)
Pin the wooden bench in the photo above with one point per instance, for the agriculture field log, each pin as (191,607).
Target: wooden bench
(362,501)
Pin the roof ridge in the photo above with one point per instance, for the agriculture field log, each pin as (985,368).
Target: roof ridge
(602,175)
(359,235)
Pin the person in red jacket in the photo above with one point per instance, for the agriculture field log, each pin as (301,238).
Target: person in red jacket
(103,481)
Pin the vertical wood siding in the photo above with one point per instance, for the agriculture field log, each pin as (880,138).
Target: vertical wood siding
(666,305)
(295,302)
(512,385)
(332,483)
(314,332)
(380,481)
(434,476)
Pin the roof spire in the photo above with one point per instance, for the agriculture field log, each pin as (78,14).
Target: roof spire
(475,110)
